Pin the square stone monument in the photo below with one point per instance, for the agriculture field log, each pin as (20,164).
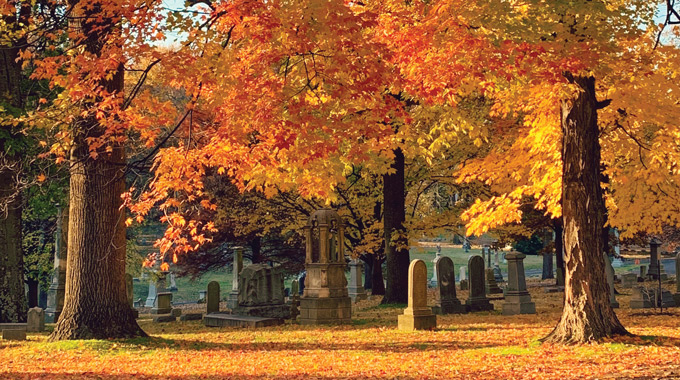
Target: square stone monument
(517,298)
(325,298)
(417,316)
(445,300)
(477,300)
(261,292)
(237,267)
(356,288)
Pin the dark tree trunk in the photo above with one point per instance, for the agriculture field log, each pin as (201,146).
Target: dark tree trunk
(256,249)
(587,314)
(33,292)
(368,271)
(547,266)
(396,242)
(559,247)
(12,293)
(95,304)
(377,280)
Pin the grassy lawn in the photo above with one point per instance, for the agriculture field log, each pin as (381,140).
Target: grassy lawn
(473,346)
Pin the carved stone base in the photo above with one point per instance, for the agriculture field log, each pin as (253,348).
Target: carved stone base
(479,304)
(450,308)
(417,322)
(336,310)
(518,303)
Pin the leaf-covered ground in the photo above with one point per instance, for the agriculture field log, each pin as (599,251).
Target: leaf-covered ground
(474,346)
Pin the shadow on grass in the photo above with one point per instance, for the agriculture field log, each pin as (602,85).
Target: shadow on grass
(649,340)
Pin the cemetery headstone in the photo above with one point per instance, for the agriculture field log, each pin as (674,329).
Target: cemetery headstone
(491,284)
(641,298)
(497,274)
(56,292)
(446,301)
(464,285)
(609,271)
(433,280)
(417,316)
(477,300)
(156,285)
(36,320)
(173,283)
(201,296)
(643,272)
(325,298)
(237,267)
(163,303)
(13,334)
(463,274)
(213,297)
(356,288)
(261,292)
(656,268)
(517,298)
(628,280)
(677,273)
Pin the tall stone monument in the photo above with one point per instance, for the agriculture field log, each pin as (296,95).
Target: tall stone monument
(356,288)
(445,299)
(656,268)
(517,298)
(56,292)
(477,300)
(237,267)
(609,271)
(325,298)
(417,316)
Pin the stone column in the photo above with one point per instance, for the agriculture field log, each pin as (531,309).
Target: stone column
(654,260)
(56,292)
(610,281)
(232,299)
(517,298)
(417,316)
(356,288)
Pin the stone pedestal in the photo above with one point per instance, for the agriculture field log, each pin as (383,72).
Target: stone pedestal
(609,271)
(56,292)
(163,303)
(356,289)
(237,267)
(517,298)
(477,300)
(491,284)
(417,316)
(325,299)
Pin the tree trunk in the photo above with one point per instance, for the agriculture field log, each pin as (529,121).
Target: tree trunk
(559,248)
(95,304)
(377,280)
(12,293)
(368,271)
(396,243)
(587,314)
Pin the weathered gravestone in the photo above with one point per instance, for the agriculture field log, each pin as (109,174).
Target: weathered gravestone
(261,292)
(609,271)
(477,300)
(156,285)
(497,274)
(491,284)
(445,300)
(643,272)
(645,298)
(656,268)
(417,316)
(213,297)
(517,298)
(36,320)
(163,303)
(433,280)
(237,267)
(13,334)
(325,298)
(356,289)
(628,280)
(463,278)
(294,300)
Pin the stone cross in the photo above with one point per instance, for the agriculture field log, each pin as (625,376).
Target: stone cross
(417,316)
(609,270)
(517,298)
(477,300)
(213,297)
(356,288)
(445,300)
(232,299)
(35,320)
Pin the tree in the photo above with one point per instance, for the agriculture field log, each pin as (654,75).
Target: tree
(95,304)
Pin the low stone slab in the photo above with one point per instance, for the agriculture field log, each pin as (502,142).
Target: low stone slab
(554,289)
(233,320)
(13,334)
(13,326)
(164,318)
(191,317)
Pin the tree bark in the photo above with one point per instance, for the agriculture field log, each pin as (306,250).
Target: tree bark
(12,294)
(559,248)
(396,243)
(95,302)
(377,279)
(587,314)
